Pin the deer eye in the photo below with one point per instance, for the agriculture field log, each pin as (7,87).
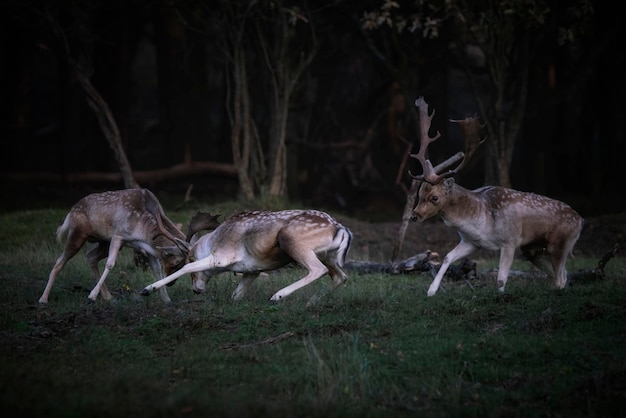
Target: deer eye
(434,199)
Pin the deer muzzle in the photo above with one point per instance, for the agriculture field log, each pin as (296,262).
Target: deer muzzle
(416,218)
(197,284)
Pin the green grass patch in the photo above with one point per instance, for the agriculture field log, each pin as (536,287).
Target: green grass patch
(377,347)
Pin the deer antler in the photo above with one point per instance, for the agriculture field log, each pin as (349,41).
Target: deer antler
(428,174)
(471,128)
(202,221)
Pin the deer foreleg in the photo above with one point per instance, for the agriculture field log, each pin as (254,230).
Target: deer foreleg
(506,259)
(462,249)
(114,248)
(94,255)
(196,266)
(157,269)
(244,285)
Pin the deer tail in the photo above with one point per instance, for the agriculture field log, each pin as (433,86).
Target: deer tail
(343,238)
(63,229)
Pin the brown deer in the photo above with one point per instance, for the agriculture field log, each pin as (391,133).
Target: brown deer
(493,218)
(259,241)
(132,218)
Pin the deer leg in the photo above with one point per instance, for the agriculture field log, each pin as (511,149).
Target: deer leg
(73,244)
(507,254)
(157,269)
(543,263)
(199,265)
(94,255)
(559,259)
(58,266)
(338,278)
(536,254)
(316,270)
(462,249)
(244,284)
(114,248)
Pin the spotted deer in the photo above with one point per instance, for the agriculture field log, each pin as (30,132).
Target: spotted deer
(112,219)
(260,241)
(491,217)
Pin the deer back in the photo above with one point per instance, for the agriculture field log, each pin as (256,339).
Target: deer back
(133,214)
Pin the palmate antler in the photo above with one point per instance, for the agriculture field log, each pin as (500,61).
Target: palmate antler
(429,175)
(202,221)
(471,128)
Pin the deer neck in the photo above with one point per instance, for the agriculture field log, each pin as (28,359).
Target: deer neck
(463,207)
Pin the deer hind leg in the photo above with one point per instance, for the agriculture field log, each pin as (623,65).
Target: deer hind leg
(72,246)
(539,257)
(541,260)
(307,259)
(114,248)
(559,255)
(550,257)
(338,277)
(244,285)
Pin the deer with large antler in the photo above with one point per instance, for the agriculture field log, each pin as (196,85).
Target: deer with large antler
(491,217)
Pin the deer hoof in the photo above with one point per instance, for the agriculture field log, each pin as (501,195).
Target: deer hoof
(145,292)
(276,298)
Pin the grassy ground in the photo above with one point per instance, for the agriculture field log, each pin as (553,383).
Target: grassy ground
(377,347)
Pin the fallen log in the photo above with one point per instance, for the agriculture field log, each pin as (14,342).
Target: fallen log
(598,272)
(422,262)
(466,270)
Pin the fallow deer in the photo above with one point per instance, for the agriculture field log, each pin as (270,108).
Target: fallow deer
(112,219)
(259,241)
(493,218)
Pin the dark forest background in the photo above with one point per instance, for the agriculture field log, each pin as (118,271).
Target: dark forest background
(316,96)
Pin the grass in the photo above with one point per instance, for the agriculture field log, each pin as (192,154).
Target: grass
(377,347)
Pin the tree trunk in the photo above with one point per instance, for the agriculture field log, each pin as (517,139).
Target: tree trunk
(108,125)
(278,151)
(241,135)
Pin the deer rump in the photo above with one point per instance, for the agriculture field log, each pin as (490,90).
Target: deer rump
(259,241)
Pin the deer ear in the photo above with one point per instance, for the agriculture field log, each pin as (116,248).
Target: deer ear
(447,184)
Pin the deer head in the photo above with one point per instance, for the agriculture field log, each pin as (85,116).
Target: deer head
(436,188)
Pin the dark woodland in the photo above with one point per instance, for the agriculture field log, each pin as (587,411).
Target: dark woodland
(320,102)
